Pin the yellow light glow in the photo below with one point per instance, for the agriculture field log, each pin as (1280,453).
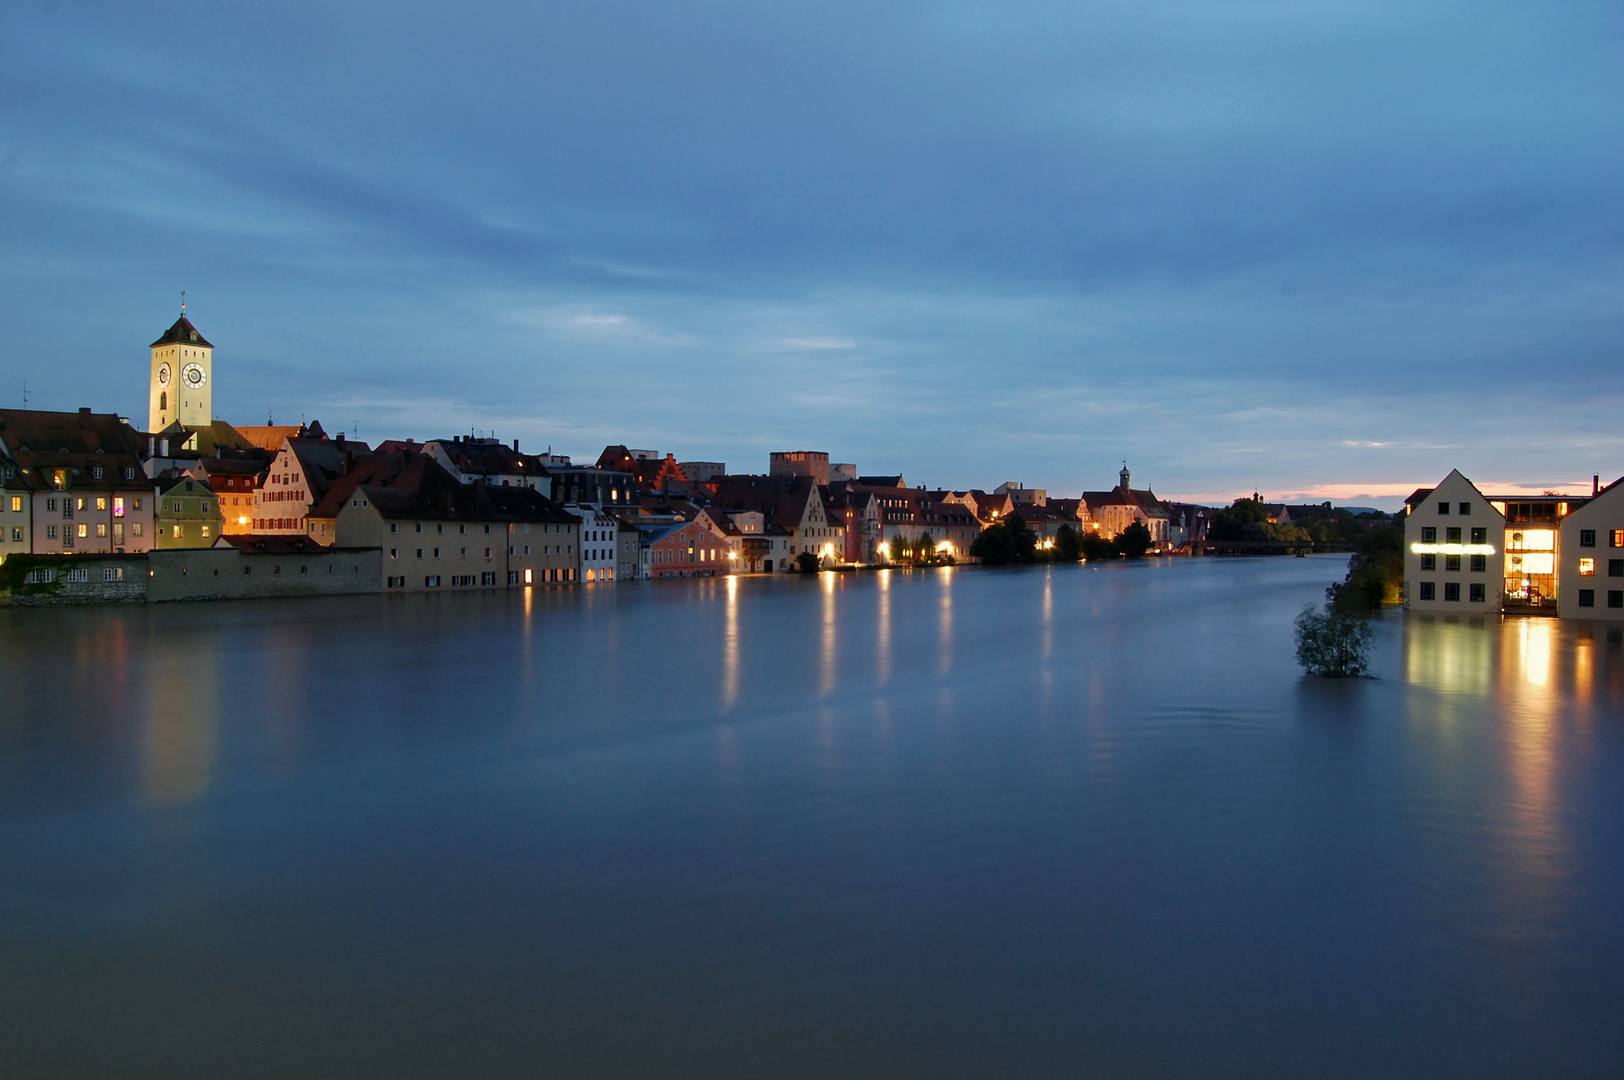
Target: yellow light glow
(1587,567)
(1452,549)
(1532,540)
(945,546)
(1534,562)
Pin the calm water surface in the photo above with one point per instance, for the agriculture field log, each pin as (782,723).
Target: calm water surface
(1080,821)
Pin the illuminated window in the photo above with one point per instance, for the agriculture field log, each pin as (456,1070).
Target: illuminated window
(101,528)
(1587,567)
(177,531)
(1587,537)
(16,504)
(1615,538)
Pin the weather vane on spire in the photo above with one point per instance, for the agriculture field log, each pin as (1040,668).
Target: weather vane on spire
(183,302)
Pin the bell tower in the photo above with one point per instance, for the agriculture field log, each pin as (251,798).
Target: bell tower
(182,386)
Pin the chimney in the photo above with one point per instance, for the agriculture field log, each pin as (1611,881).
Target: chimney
(1595,483)
(515,446)
(341,438)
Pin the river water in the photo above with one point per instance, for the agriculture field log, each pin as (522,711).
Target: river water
(1069,821)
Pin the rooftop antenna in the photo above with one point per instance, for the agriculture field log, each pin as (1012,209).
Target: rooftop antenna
(268,421)
(25,395)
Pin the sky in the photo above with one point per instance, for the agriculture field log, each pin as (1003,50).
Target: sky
(1322,250)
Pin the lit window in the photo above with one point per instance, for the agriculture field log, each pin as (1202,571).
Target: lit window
(1615,538)
(1587,567)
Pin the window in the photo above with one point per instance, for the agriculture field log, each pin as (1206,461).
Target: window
(112,573)
(1443,508)
(513,577)
(84,530)
(205,532)
(439,528)
(436,553)
(1428,591)
(1615,567)
(41,577)
(419,526)
(177,507)
(394,526)
(101,528)
(1429,535)
(1587,597)
(397,583)
(1465,508)
(50,532)
(16,504)
(1452,536)
(129,473)
(527,549)
(394,553)
(16,532)
(95,472)
(1480,536)
(432,581)
(419,553)
(1615,598)
(1587,537)
(1452,591)
(1475,593)
(135,504)
(1615,538)
(137,529)
(1429,563)
(488,578)
(1480,564)
(1587,567)
(1452,564)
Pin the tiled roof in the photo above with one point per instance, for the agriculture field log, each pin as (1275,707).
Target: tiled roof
(182,333)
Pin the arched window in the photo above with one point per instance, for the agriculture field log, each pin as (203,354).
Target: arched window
(163,400)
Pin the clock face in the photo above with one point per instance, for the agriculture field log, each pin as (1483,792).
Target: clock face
(163,374)
(194,375)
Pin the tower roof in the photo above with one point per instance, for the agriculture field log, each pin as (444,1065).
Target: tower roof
(182,333)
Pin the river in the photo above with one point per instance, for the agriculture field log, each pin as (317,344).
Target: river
(1039,822)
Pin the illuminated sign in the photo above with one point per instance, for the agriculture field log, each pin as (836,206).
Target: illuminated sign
(1452,549)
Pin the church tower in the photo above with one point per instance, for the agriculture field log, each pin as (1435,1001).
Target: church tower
(182,387)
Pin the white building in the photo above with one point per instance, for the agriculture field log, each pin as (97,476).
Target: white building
(1591,557)
(600,544)
(1455,550)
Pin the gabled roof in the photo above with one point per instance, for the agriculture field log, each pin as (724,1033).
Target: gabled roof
(880,481)
(781,500)
(182,333)
(256,544)
(324,460)
(420,487)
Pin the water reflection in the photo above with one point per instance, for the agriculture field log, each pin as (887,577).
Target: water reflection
(179,730)
(882,643)
(944,621)
(826,653)
(730,644)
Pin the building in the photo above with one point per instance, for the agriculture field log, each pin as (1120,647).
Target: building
(436,533)
(1113,511)
(234,476)
(181,389)
(812,463)
(80,477)
(792,520)
(629,544)
(1590,554)
(186,512)
(600,544)
(1455,556)
(298,478)
(1021,495)
(703,472)
(651,473)
(689,549)
(487,461)
(575,485)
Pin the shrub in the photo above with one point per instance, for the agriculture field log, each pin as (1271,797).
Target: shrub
(1134,541)
(1333,643)
(807,562)
(1068,544)
(1096,547)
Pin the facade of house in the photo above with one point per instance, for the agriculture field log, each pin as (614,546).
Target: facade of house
(1455,556)
(1590,557)
(438,534)
(487,461)
(1122,506)
(186,513)
(689,549)
(600,544)
(793,520)
(299,476)
(80,478)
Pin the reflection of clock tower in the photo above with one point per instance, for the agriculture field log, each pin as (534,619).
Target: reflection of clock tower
(182,379)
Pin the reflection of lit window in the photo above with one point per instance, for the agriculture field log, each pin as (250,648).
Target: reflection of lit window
(1587,567)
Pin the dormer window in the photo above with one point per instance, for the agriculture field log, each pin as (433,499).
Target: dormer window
(95,472)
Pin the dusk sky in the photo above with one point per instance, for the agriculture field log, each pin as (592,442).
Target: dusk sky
(1326,250)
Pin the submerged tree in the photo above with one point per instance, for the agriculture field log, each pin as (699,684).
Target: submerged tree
(1010,541)
(1068,544)
(1375,572)
(1333,643)
(1134,541)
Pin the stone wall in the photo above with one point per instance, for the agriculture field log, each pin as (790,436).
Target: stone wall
(225,573)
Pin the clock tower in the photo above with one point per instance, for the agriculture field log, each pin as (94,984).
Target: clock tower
(182,387)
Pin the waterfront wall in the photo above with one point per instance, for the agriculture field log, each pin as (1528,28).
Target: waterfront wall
(227,573)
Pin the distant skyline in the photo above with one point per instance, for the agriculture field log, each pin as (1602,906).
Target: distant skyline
(1322,251)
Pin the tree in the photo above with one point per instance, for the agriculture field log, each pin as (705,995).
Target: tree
(1096,547)
(1230,523)
(1375,572)
(806,562)
(1134,541)
(1333,643)
(1009,541)
(1068,544)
